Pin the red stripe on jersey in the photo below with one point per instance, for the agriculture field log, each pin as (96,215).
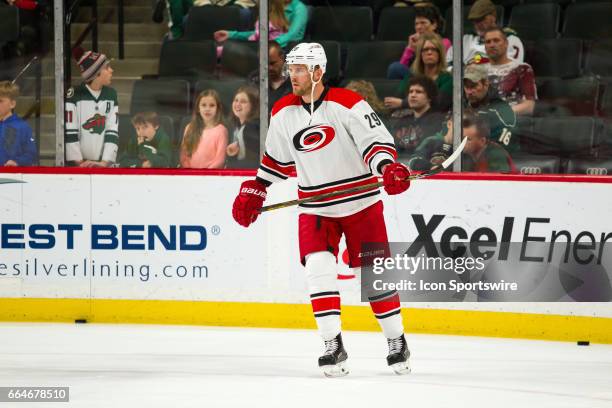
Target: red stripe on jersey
(385,305)
(287,100)
(285,169)
(369,180)
(325,304)
(380,148)
(344,97)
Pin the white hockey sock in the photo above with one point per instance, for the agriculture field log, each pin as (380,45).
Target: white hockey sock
(324,296)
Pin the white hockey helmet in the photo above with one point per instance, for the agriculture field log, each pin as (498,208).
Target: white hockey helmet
(309,54)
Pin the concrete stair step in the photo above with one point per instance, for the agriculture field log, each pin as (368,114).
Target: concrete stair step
(47,105)
(127,3)
(133,32)
(28,85)
(133,49)
(109,14)
(126,68)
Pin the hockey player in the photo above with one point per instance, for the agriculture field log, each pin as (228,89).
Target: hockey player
(92,125)
(334,140)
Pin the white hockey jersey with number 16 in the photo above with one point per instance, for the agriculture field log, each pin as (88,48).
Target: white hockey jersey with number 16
(342,146)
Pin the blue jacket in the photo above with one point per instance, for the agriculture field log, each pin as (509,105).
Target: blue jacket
(17,142)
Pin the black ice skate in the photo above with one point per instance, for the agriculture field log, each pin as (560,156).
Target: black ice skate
(333,361)
(398,355)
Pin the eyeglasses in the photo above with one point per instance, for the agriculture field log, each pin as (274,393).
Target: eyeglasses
(429,49)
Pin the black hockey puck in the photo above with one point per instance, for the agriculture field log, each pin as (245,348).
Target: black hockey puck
(80,321)
(584,343)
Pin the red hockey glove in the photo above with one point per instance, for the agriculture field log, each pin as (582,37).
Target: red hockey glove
(249,201)
(395,178)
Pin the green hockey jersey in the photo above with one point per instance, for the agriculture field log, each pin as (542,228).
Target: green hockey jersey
(91,124)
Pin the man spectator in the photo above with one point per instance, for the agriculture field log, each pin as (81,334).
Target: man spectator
(483,15)
(91,131)
(420,121)
(480,154)
(500,117)
(278,84)
(513,81)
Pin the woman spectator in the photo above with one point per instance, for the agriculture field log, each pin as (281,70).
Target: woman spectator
(294,13)
(368,92)
(243,151)
(205,138)
(430,62)
(427,20)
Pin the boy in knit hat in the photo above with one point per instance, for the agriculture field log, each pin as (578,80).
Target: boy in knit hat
(91,134)
(17,147)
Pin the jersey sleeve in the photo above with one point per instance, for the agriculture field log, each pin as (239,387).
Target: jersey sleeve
(71,130)
(277,164)
(516,50)
(111,134)
(372,138)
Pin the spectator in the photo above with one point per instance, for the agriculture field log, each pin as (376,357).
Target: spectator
(243,152)
(33,27)
(150,147)
(279,85)
(427,20)
(296,14)
(420,121)
(91,131)
(431,63)
(499,116)
(513,81)
(205,138)
(484,16)
(177,9)
(17,146)
(480,154)
(368,92)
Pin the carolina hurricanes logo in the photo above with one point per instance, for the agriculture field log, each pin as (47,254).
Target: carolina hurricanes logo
(313,138)
(95,124)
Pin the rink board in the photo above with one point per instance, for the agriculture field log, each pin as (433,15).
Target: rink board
(162,248)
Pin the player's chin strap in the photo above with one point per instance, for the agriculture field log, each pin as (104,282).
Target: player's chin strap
(312,90)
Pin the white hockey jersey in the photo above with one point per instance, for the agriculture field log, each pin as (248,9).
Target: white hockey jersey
(343,146)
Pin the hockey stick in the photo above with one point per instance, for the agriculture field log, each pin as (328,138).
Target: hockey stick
(434,170)
(23,70)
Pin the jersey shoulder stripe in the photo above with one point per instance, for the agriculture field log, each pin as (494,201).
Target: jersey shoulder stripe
(285,101)
(344,97)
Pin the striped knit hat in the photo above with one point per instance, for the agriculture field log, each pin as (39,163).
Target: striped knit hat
(89,62)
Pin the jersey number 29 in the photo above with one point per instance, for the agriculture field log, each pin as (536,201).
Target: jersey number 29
(373,119)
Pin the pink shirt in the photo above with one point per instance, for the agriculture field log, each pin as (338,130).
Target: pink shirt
(210,152)
(409,52)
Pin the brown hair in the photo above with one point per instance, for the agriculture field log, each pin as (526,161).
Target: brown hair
(418,68)
(253,96)
(8,90)
(146,117)
(277,16)
(368,92)
(193,131)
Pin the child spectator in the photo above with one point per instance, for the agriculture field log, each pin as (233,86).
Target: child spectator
(205,138)
(368,92)
(150,147)
(91,134)
(243,152)
(17,147)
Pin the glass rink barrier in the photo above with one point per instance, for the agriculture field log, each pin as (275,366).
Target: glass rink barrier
(426,186)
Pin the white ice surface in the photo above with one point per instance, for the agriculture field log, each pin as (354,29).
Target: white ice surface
(119,366)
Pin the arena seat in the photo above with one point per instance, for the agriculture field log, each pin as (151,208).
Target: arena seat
(187,59)
(9,29)
(203,21)
(396,24)
(555,58)
(599,58)
(535,21)
(240,58)
(579,96)
(537,164)
(568,137)
(226,89)
(165,96)
(590,167)
(371,59)
(588,20)
(341,24)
